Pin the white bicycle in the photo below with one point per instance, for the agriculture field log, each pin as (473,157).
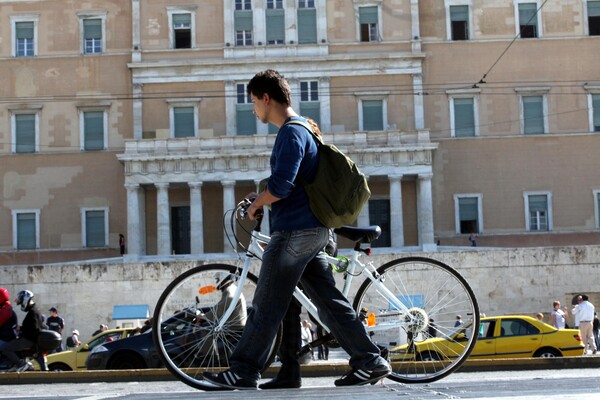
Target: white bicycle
(409,306)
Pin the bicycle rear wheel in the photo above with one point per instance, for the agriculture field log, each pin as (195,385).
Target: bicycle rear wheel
(186,318)
(429,342)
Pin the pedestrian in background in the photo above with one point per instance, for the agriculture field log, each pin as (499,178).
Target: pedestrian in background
(559,317)
(596,327)
(122,243)
(57,324)
(585,311)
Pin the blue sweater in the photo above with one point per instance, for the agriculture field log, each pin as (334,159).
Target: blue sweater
(294,154)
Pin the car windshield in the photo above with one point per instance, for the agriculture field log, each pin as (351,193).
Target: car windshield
(109,337)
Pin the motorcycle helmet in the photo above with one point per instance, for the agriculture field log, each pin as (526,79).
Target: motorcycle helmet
(4,296)
(24,299)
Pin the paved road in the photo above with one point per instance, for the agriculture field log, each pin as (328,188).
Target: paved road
(567,384)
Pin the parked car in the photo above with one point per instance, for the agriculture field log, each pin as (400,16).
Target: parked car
(73,360)
(137,352)
(509,336)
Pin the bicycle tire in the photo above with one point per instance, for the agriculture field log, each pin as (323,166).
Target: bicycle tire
(186,347)
(431,346)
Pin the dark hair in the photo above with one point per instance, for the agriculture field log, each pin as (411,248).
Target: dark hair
(272,83)
(584,297)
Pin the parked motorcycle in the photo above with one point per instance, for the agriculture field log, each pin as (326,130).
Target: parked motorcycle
(47,341)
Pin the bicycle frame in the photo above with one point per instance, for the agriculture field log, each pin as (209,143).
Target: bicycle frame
(256,249)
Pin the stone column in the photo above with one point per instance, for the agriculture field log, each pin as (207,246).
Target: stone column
(425,212)
(363,218)
(134,232)
(228,204)
(196,218)
(163,219)
(396,216)
(137,111)
(418,101)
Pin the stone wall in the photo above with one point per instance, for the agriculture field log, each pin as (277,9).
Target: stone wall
(505,281)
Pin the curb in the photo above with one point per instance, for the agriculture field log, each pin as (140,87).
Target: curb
(314,370)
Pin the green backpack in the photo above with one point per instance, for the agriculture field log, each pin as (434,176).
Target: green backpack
(340,190)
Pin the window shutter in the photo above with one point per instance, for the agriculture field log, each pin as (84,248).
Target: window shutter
(596,110)
(26,231)
(307,25)
(593,8)
(25,133)
(243,20)
(93,122)
(467,208)
(372,115)
(538,202)
(533,114)
(183,122)
(245,119)
(459,13)
(464,118)
(182,20)
(311,109)
(527,14)
(275,25)
(24,30)
(92,28)
(367,15)
(94,228)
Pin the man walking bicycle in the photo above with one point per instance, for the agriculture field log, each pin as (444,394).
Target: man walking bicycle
(293,253)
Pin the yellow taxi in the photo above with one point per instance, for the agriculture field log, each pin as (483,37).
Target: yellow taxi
(74,360)
(508,336)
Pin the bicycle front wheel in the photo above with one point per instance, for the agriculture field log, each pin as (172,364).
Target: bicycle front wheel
(186,320)
(439,330)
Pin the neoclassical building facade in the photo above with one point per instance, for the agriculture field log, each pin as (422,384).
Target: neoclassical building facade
(131,117)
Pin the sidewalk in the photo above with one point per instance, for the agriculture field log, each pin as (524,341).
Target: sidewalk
(337,365)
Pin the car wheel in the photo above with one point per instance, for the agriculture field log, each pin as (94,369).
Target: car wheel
(429,356)
(547,353)
(127,361)
(59,367)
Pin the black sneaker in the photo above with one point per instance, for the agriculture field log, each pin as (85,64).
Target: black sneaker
(229,380)
(359,376)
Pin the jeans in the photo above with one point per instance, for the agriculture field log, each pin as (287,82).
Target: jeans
(289,258)
(10,349)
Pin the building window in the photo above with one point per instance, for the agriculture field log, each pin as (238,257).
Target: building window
(184,121)
(463,117)
(243,23)
(93,128)
(92,35)
(25,132)
(310,106)
(94,227)
(528,20)
(595,100)
(372,113)
(538,212)
(182,30)
(468,213)
(593,17)
(459,22)
(368,20)
(379,214)
(533,115)
(26,232)
(307,22)
(275,22)
(245,119)
(24,36)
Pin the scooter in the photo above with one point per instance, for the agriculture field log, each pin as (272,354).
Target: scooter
(47,341)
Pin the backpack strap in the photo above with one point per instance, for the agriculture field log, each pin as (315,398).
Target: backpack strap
(308,128)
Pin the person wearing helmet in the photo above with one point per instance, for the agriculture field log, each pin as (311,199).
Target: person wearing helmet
(8,318)
(28,334)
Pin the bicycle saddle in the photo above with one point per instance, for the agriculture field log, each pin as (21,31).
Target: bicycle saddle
(365,234)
